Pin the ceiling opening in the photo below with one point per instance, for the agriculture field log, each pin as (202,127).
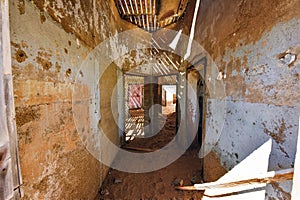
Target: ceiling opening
(151,15)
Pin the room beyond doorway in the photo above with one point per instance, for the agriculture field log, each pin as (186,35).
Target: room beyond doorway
(150,103)
(169,99)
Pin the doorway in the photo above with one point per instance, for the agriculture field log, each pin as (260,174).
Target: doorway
(197,83)
(169,99)
(134,102)
(150,111)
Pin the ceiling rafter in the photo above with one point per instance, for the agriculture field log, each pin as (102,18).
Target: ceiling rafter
(146,14)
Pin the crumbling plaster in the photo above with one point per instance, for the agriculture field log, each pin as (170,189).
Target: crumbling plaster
(248,41)
(49,45)
(255,46)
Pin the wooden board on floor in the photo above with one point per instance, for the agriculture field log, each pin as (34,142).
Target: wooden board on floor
(138,149)
(243,184)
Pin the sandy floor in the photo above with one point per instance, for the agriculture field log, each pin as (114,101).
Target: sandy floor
(170,108)
(158,184)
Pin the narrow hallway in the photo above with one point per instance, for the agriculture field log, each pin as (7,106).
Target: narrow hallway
(149,99)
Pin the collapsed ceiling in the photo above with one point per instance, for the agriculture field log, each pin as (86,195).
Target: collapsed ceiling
(151,15)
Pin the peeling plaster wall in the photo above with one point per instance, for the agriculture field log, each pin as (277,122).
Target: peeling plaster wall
(50,40)
(246,39)
(251,43)
(91,20)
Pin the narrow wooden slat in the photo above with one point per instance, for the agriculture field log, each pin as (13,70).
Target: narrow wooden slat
(139,149)
(10,177)
(13,137)
(6,181)
(269,177)
(188,188)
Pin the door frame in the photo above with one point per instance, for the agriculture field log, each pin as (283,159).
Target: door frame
(10,173)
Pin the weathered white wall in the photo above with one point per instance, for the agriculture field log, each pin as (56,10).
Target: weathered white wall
(247,40)
(275,86)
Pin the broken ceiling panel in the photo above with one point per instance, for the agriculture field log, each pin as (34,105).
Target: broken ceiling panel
(151,15)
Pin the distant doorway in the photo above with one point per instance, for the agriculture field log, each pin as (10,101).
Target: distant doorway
(197,86)
(150,111)
(134,102)
(169,99)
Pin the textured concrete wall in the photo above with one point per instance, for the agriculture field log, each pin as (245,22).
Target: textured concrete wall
(50,39)
(255,45)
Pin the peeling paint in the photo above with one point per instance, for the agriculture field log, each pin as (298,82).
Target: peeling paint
(43,59)
(45,62)
(278,134)
(89,20)
(281,193)
(21,6)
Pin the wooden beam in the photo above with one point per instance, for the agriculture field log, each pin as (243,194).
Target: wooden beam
(269,177)
(138,149)
(10,177)
(5,180)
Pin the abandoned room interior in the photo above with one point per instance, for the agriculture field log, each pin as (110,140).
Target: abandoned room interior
(150,99)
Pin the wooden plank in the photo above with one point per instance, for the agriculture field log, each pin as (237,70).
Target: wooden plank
(6,47)
(269,177)
(3,155)
(138,149)
(9,158)
(6,182)
(296,180)
(13,137)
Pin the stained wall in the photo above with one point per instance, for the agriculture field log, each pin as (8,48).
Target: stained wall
(255,46)
(50,40)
